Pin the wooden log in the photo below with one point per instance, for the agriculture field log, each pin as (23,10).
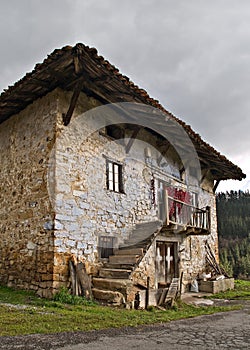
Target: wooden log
(84,281)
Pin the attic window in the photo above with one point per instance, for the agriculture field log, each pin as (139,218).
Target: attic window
(114,176)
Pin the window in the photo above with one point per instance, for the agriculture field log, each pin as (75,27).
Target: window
(114,176)
(106,246)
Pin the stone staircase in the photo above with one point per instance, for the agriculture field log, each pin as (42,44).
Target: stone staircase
(114,283)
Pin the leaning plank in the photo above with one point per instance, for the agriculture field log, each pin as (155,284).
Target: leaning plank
(172,291)
(163,296)
(74,288)
(84,280)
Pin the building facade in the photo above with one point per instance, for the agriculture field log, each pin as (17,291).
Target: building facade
(96,171)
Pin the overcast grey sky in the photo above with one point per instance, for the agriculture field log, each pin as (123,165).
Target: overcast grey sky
(191,55)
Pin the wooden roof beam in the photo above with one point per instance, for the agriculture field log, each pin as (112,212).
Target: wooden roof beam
(132,139)
(216,185)
(73,101)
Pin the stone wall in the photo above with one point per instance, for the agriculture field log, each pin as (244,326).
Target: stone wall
(26,215)
(54,200)
(85,209)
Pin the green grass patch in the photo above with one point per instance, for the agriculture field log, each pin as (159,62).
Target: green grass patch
(22,312)
(241,291)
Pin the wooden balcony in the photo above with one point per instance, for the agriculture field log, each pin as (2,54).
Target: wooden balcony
(191,219)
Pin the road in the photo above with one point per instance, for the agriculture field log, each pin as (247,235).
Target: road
(229,330)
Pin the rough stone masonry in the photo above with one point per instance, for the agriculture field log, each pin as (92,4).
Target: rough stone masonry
(55,204)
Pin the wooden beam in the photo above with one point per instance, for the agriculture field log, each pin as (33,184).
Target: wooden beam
(203,177)
(216,185)
(132,139)
(163,154)
(74,98)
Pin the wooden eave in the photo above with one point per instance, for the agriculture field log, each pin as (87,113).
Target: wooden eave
(66,67)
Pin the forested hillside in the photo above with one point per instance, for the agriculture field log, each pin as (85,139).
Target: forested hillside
(234,232)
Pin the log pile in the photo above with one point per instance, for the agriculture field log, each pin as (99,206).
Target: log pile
(212,263)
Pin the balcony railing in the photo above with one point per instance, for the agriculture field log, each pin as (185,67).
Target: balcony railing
(187,215)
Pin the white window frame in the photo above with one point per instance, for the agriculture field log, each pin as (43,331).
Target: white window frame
(114,176)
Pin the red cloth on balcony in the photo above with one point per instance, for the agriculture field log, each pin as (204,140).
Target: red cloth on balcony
(176,207)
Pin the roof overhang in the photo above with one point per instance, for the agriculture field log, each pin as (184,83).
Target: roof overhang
(71,67)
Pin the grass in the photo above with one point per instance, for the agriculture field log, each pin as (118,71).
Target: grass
(241,291)
(22,312)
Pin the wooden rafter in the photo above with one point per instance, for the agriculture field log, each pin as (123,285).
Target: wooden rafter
(216,185)
(132,139)
(163,154)
(73,101)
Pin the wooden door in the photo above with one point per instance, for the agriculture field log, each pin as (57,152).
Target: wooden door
(166,263)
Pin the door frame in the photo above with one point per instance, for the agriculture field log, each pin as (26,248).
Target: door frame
(175,242)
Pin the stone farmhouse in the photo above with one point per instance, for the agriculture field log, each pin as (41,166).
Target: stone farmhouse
(94,170)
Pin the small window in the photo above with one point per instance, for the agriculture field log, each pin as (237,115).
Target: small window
(114,176)
(106,246)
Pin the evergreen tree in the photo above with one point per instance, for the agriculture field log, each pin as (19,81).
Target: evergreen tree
(233,210)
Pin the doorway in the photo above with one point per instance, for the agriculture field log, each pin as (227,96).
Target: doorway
(166,263)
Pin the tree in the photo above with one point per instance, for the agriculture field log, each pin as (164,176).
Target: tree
(233,210)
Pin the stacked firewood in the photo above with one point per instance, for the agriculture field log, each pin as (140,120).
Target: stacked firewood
(212,263)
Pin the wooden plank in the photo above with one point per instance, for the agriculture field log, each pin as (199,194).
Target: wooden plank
(172,291)
(84,280)
(73,277)
(163,296)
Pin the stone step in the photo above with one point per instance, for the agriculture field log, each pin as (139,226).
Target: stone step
(124,259)
(111,284)
(134,244)
(114,273)
(107,265)
(108,296)
(148,226)
(132,251)
(135,240)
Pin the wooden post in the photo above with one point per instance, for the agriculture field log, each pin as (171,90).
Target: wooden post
(147,293)
(166,205)
(180,285)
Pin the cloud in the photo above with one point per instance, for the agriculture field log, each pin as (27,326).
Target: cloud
(191,55)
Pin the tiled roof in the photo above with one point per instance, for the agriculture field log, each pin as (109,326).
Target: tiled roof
(65,67)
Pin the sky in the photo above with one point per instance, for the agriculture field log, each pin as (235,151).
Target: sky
(193,56)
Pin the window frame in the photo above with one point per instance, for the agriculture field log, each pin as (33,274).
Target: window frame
(114,176)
